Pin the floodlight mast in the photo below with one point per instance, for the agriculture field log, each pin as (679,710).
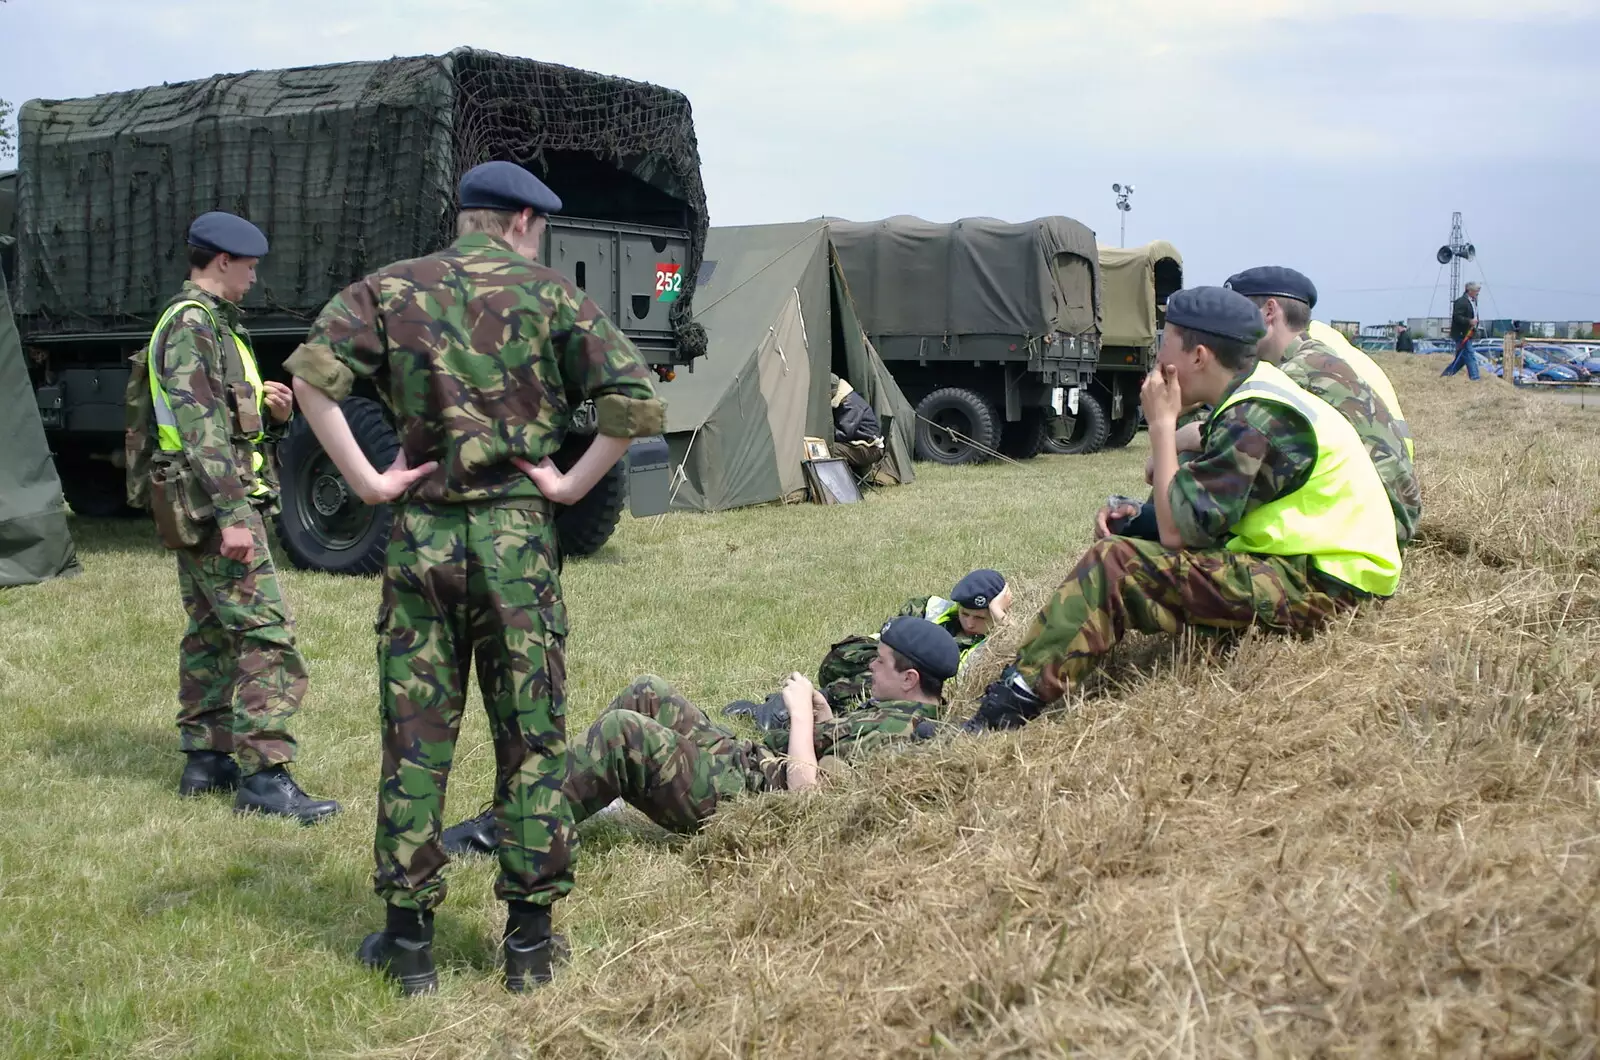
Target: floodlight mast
(1123,193)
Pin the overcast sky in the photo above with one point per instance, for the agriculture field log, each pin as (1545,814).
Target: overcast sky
(1335,136)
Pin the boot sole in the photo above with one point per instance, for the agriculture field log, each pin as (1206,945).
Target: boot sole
(305,820)
(210,789)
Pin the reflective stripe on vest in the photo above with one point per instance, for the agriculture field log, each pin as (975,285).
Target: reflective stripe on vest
(1341,517)
(167,434)
(937,609)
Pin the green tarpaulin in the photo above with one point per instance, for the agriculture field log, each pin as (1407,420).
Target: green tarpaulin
(345,167)
(779,319)
(977,276)
(1136,283)
(35,543)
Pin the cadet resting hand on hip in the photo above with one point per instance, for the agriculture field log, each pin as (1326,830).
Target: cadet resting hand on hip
(572,486)
(279,400)
(333,431)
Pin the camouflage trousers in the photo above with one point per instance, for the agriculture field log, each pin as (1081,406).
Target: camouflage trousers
(1124,584)
(661,754)
(464,583)
(843,676)
(240,677)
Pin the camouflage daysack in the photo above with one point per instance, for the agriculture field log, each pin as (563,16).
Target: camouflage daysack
(842,677)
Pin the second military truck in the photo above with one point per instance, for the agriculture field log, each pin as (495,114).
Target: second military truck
(991,329)
(346,168)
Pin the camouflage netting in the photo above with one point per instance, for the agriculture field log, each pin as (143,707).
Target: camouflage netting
(345,167)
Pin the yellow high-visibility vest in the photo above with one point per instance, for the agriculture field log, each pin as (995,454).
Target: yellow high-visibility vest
(1370,374)
(167,433)
(1341,517)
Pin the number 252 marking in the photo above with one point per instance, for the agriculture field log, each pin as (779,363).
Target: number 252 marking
(668,281)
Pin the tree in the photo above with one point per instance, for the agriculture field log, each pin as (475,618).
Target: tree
(8,139)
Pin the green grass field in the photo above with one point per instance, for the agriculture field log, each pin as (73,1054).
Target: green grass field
(1380,841)
(134,924)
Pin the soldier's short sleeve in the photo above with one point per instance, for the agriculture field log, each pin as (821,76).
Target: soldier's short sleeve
(345,342)
(600,362)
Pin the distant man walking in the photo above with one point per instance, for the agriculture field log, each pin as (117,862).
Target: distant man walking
(1463,326)
(210,483)
(1403,343)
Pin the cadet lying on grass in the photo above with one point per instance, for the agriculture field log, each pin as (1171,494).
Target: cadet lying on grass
(1280,521)
(660,753)
(976,605)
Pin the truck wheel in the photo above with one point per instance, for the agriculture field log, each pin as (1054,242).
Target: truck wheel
(1023,440)
(583,528)
(1123,430)
(324,525)
(1088,431)
(946,413)
(95,489)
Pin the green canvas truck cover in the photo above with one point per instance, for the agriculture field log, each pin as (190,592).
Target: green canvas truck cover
(35,542)
(1128,302)
(976,276)
(346,167)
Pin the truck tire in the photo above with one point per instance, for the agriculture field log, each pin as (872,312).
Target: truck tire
(324,525)
(963,411)
(1024,439)
(1089,428)
(582,529)
(94,489)
(1123,431)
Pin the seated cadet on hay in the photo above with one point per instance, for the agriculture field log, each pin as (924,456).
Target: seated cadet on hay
(1280,521)
(661,754)
(1345,378)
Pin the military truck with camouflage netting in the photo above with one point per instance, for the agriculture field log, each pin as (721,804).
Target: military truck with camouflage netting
(346,168)
(991,329)
(1135,285)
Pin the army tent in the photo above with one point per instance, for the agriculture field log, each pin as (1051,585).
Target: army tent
(779,319)
(35,543)
(1137,282)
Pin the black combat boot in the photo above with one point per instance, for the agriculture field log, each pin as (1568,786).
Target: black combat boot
(273,791)
(208,771)
(475,835)
(532,952)
(403,950)
(1008,703)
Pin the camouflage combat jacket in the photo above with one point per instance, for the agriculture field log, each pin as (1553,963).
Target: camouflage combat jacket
(481,355)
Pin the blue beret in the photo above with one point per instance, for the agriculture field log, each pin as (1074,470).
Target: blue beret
(1219,312)
(506,186)
(227,233)
(978,589)
(1274,281)
(926,646)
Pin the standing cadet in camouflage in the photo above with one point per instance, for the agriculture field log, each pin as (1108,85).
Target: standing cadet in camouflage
(201,453)
(978,601)
(477,350)
(1280,521)
(661,754)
